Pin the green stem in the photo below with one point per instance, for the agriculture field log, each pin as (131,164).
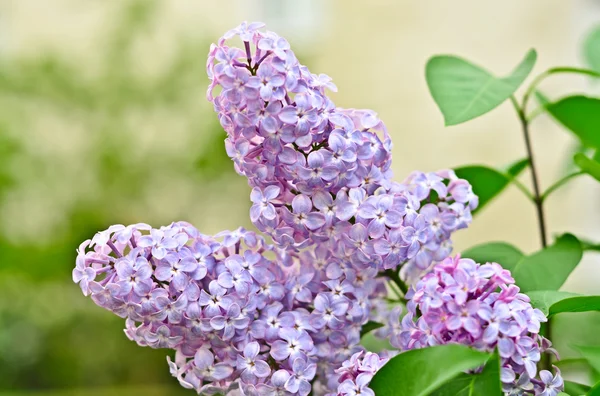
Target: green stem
(536,112)
(555,70)
(559,183)
(534,178)
(546,361)
(523,189)
(393,275)
(396,291)
(536,82)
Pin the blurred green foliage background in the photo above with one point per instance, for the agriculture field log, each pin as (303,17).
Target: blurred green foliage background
(112,167)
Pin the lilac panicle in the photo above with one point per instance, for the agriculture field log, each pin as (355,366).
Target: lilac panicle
(479,305)
(315,169)
(248,318)
(236,319)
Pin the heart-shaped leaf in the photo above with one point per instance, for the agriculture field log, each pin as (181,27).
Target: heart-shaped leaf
(488,182)
(464,91)
(581,115)
(549,268)
(552,302)
(419,372)
(588,165)
(485,383)
(497,252)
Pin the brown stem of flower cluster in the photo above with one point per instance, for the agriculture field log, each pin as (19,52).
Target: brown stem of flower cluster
(538,200)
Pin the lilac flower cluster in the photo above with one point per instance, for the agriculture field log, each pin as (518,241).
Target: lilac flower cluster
(321,174)
(463,302)
(236,319)
(248,318)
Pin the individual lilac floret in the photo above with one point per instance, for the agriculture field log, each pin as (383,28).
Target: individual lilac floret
(463,302)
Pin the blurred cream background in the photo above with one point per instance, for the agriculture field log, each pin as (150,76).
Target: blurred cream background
(374,50)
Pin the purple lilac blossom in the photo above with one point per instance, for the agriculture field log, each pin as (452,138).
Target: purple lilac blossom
(242,323)
(460,301)
(238,321)
(314,167)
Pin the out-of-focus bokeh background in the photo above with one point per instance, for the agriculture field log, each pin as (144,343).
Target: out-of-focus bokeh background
(103,120)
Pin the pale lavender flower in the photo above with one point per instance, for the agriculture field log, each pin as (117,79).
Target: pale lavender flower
(251,364)
(302,373)
(216,300)
(293,344)
(235,276)
(134,273)
(277,385)
(329,311)
(162,338)
(263,205)
(229,322)
(379,210)
(552,384)
(301,216)
(357,387)
(206,367)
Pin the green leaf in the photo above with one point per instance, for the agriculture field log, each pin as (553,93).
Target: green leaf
(549,268)
(487,182)
(486,383)
(498,252)
(591,353)
(552,302)
(588,165)
(581,115)
(589,245)
(591,49)
(413,374)
(369,326)
(576,389)
(464,91)
(516,168)
(576,304)
(544,299)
